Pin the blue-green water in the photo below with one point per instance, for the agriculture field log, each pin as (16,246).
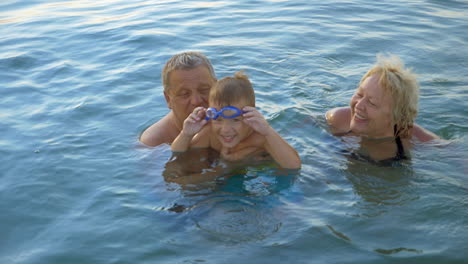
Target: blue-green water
(80,80)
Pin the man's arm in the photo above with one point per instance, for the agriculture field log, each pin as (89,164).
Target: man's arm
(192,167)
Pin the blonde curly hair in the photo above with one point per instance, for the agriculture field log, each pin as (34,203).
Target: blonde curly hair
(401,83)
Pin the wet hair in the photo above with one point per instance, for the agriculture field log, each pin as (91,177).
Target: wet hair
(231,90)
(401,83)
(185,61)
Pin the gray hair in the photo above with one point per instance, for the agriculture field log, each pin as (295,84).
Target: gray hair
(185,61)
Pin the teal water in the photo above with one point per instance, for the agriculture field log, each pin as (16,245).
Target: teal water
(80,80)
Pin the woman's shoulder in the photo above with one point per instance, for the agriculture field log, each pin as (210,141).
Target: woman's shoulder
(422,134)
(338,119)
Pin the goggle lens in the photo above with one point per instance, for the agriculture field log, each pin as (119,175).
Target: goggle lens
(211,113)
(228,112)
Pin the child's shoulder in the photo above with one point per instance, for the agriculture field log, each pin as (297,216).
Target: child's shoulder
(253,140)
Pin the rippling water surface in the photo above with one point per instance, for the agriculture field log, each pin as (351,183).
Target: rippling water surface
(80,80)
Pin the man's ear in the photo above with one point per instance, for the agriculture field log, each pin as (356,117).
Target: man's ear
(168,100)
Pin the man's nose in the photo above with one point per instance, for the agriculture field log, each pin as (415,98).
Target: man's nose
(196,99)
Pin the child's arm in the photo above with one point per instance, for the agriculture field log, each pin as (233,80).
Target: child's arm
(283,153)
(192,125)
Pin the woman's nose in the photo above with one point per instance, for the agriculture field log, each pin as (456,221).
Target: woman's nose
(360,103)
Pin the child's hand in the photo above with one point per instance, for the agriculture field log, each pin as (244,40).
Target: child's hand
(256,121)
(194,122)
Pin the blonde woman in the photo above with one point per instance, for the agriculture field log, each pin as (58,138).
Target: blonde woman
(382,111)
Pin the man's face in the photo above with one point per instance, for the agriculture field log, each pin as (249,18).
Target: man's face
(189,89)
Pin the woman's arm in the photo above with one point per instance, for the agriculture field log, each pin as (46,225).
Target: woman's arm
(423,134)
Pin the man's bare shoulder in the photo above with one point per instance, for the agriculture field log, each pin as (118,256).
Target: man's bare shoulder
(338,119)
(161,132)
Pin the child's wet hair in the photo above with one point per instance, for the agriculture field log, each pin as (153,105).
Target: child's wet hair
(231,90)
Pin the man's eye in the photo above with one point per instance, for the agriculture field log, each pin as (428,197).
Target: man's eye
(205,91)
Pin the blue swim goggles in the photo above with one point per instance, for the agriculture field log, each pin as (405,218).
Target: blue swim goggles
(228,112)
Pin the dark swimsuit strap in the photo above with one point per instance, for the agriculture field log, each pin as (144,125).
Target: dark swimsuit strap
(400,150)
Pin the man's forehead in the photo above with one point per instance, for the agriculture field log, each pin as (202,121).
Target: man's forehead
(199,72)
(191,78)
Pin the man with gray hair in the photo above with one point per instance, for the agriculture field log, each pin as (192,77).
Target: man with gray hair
(187,79)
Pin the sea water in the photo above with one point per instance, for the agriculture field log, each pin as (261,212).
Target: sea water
(80,80)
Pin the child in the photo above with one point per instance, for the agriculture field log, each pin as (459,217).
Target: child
(237,129)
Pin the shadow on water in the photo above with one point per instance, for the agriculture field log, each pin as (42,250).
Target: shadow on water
(380,185)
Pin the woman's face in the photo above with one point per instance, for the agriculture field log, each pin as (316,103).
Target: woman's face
(371,109)
(230,132)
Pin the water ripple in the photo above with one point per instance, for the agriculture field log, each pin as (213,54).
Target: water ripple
(81,79)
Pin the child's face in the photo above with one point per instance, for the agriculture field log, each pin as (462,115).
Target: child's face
(230,131)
